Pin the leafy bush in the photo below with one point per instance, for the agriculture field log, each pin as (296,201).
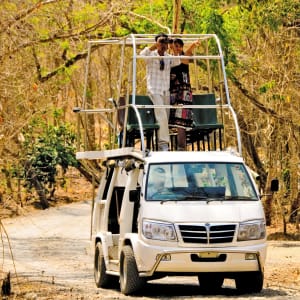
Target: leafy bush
(46,148)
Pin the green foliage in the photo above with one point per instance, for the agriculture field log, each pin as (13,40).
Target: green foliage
(260,40)
(159,11)
(269,13)
(286,177)
(85,14)
(65,45)
(47,147)
(267,86)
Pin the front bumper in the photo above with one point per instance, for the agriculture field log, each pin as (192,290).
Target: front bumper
(152,259)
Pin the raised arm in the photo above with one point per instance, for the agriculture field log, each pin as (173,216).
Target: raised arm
(190,50)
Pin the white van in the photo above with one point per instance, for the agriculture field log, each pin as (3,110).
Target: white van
(178,213)
(157,214)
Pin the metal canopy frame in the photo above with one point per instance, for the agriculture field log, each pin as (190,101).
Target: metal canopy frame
(135,40)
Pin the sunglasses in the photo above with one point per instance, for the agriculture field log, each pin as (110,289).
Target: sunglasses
(161,65)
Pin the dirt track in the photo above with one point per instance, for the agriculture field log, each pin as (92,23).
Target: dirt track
(53,260)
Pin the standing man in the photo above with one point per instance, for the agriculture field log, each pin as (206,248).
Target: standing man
(158,84)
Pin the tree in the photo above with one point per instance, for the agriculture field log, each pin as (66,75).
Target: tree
(43,47)
(43,153)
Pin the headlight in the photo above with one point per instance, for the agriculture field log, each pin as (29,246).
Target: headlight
(254,230)
(159,231)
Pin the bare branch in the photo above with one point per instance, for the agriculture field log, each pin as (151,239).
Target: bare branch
(150,20)
(260,106)
(55,37)
(24,14)
(68,63)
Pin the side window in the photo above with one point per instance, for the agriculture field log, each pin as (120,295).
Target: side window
(114,210)
(109,173)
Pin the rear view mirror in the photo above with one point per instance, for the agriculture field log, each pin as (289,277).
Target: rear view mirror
(274,185)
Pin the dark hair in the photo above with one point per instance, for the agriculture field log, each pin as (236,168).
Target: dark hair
(161,35)
(178,41)
(163,40)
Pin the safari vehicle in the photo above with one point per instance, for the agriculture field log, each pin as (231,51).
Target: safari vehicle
(194,213)
(208,221)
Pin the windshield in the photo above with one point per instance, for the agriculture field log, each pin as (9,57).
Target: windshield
(199,181)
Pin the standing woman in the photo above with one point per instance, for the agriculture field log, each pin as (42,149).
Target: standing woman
(181,93)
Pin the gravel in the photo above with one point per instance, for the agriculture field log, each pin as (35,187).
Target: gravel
(49,257)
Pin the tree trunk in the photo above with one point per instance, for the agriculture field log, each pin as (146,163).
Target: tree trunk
(176,15)
(6,285)
(90,170)
(31,176)
(268,208)
(40,190)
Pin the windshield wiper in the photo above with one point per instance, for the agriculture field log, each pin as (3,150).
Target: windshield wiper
(215,199)
(194,197)
(162,201)
(246,198)
(183,198)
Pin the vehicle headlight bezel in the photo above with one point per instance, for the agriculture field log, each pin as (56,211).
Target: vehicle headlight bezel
(156,230)
(251,230)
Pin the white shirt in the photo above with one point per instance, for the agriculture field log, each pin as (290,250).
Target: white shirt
(158,81)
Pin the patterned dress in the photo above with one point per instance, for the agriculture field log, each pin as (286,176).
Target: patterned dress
(180,94)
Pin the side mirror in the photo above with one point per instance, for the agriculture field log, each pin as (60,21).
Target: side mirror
(76,109)
(134,196)
(274,185)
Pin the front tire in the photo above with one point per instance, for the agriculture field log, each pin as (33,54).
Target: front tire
(130,281)
(102,279)
(249,282)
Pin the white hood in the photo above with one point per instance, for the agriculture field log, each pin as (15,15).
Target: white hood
(195,212)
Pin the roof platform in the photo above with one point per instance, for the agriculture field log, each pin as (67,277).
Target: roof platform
(128,152)
(115,112)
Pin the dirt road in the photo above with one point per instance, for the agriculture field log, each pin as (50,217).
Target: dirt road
(52,259)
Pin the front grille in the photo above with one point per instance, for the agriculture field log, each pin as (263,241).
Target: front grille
(207,234)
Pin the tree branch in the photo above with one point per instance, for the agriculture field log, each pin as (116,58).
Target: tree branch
(55,37)
(150,20)
(24,14)
(260,106)
(67,63)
